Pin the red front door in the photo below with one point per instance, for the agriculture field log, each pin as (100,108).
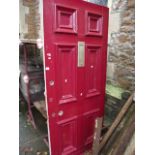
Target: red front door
(75,42)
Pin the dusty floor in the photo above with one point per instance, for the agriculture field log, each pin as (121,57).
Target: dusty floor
(31,140)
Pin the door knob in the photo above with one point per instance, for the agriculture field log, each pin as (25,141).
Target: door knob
(60,113)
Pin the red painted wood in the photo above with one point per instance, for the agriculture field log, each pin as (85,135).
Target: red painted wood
(76,93)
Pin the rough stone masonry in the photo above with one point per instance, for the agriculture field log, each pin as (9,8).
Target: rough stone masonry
(121,50)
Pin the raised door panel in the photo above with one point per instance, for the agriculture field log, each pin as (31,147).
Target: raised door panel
(65,19)
(93,70)
(66,73)
(67,131)
(94,24)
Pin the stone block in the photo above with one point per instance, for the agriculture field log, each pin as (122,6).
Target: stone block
(110,70)
(113,59)
(29,19)
(124,83)
(126,13)
(129,12)
(128,28)
(123,38)
(119,5)
(128,21)
(131,3)
(28,3)
(114,22)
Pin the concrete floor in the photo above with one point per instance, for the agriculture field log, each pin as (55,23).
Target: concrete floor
(30,139)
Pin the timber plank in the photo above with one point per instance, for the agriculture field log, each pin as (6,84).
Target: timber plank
(116,122)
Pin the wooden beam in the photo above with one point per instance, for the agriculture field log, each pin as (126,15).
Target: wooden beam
(115,123)
(97,134)
(125,137)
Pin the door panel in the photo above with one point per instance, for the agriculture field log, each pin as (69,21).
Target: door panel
(67,130)
(94,24)
(66,73)
(75,45)
(65,19)
(93,70)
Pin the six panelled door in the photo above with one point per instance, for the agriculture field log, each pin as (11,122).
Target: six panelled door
(75,47)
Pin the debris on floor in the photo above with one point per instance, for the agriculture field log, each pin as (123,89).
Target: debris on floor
(30,140)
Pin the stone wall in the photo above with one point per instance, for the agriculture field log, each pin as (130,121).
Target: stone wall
(30,19)
(121,50)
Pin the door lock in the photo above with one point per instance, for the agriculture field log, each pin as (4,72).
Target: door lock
(60,113)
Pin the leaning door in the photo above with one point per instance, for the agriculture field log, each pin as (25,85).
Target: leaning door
(75,45)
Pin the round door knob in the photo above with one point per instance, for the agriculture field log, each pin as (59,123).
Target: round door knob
(60,113)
